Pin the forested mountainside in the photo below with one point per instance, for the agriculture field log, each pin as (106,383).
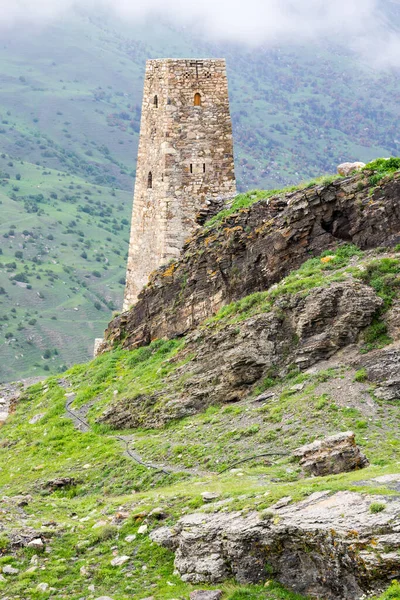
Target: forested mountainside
(71,98)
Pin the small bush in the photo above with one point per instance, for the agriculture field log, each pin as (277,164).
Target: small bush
(376,336)
(360,376)
(377,507)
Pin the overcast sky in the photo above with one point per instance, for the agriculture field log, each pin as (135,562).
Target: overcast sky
(358,23)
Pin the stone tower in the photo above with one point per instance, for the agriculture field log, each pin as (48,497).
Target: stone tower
(185,156)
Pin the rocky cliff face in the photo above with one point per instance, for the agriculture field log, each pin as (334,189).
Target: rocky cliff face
(254,248)
(222,364)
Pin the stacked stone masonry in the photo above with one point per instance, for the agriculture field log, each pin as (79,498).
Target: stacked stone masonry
(185,157)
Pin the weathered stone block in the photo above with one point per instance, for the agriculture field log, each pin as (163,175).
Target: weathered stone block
(335,454)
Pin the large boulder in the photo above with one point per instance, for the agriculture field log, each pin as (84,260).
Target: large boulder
(335,454)
(336,547)
(348,168)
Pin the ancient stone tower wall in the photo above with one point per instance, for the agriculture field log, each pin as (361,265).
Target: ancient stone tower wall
(185,156)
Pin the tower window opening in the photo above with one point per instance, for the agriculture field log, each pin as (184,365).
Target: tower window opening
(204,167)
(162,177)
(191,168)
(197,99)
(150,180)
(156,101)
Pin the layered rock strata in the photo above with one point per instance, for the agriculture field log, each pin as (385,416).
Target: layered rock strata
(335,547)
(223,365)
(253,249)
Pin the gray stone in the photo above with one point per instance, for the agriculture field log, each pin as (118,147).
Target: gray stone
(347,168)
(36,543)
(119,560)
(390,390)
(327,546)
(335,454)
(9,570)
(206,595)
(209,496)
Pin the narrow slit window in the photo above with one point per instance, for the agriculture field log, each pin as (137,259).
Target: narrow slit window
(191,168)
(150,180)
(197,99)
(204,167)
(156,101)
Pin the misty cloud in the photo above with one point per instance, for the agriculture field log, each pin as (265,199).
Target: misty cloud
(360,24)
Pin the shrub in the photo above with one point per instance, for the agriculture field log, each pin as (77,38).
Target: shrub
(377,507)
(360,375)
(20,277)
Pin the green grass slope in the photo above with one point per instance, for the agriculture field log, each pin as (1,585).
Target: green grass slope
(62,263)
(87,523)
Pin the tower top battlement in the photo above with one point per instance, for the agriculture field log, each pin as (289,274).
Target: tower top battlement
(185,156)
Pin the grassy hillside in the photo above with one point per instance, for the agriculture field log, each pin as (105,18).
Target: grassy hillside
(62,259)
(87,523)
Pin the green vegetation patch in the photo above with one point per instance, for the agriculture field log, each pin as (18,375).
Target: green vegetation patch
(382,168)
(315,272)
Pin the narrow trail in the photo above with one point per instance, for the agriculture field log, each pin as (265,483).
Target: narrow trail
(82,425)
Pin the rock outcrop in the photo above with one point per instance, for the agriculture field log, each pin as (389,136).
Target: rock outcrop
(225,363)
(347,168)
(254,248)
(336,547)
(335,454)
(383,368)
(10,393)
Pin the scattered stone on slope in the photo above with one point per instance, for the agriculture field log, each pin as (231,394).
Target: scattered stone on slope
(328,546)
(59,483)
(335,454)
(10,393)
(9,570)
(119,560)
(206,595)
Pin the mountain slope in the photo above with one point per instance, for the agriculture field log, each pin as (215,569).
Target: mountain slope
(73,91)
(63,244)
(92,509)
(70,97)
